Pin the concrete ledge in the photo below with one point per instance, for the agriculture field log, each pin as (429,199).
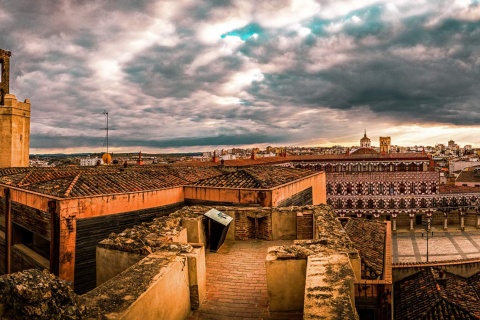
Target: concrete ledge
(285,282)
(111,262)
(329,288)
(155,288)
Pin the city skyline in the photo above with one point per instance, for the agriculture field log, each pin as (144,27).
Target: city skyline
(187,76)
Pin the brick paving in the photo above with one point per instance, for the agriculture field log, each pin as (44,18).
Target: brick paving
(237,285)
(443,245)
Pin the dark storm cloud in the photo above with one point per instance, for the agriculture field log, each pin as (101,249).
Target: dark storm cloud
(176,74)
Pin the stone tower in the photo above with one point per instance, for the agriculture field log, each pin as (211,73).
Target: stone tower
(385,143)
(4,74)
(14,121)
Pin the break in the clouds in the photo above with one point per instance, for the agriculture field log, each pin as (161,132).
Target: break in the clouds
(197,75)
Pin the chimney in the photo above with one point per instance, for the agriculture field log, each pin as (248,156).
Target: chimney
(441,279)
(140,160)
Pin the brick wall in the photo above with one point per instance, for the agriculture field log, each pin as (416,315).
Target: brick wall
(304,225)
(249,225)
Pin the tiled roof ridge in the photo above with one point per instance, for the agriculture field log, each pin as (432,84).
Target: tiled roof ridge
(465,310)
(28,174)
(258,181)
(433,263)
(72,184)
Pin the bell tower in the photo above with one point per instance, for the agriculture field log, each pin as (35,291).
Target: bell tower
(14,121)
(385,143)
(4,74)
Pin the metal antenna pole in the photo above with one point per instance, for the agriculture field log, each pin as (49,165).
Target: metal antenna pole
(105,112)
(427,245)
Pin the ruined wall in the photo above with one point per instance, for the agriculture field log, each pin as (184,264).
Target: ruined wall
(155,288)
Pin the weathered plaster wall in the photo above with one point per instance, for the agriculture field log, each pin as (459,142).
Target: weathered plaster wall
(227,196)
(113,262)
(155,288)
(286,283)
(284,224)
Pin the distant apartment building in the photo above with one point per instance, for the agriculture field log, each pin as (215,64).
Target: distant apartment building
(91,161)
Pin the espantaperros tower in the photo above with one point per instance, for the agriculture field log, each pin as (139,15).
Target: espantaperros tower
(14,121)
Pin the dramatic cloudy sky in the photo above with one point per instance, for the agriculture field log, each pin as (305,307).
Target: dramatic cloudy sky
(199,75)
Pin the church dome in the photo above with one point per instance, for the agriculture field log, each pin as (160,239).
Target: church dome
(365,141)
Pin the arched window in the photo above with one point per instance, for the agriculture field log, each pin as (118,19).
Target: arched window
(329,201)
(401,167)
(339,188)
(339,204)
(381,204)
(444,202)
(453,202)
(423,203)
(381,188)
(412,188)
(359,188)
(370,188)
(391,188)
(370,204)
(412,203)
(391,204)
(434,187)
(349,188)
(349,204)
(423,188)
(402,188)
(329,188)
(359,204)
(434,203)
(401,205)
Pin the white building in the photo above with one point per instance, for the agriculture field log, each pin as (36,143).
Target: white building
(90,161)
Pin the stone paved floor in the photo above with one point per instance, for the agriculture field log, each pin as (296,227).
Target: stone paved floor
(443,245)
(236,283)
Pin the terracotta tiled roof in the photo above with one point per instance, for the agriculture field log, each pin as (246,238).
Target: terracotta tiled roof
(445,189)
(419,296)
(368,237)
(469,176)
(330,157)
(257,177)
(364,151)
(80,181)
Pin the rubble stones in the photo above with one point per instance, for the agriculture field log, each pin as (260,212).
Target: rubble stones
(149,237)
(35,294)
